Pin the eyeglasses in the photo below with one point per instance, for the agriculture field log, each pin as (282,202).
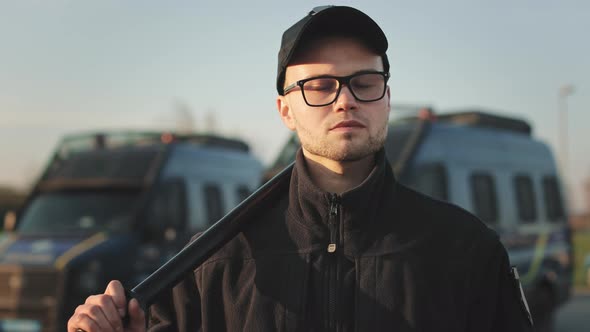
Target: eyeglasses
(319,91)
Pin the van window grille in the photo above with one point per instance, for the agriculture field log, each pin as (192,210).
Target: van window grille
(525,198)
(552,196)
(483,196)
(429,179)
(168,205)
(214,203)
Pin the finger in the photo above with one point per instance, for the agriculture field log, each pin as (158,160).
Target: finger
(117,292)
(82,322)
(102,307)
(136,316)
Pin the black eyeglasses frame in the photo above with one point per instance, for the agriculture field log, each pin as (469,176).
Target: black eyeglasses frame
(342,80)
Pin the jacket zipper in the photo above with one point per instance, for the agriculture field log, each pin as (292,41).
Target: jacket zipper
(333,246)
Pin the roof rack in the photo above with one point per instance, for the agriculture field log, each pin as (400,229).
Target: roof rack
(214,140)
(483,119)
(88,141)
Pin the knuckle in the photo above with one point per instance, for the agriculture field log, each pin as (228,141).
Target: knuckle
(97,298)
(82,320)
(94,310)
(103,300)
(90,299)
(75,318)
(83,309)
(79,309)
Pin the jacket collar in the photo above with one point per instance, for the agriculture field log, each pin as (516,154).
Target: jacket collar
(309,205)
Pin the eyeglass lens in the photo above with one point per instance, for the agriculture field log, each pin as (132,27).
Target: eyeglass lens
(324,90)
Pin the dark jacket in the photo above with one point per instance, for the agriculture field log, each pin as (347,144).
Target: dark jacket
(379,257)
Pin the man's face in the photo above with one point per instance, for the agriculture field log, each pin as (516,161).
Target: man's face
(346,130)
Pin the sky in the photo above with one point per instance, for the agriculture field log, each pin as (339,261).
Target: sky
(73,65)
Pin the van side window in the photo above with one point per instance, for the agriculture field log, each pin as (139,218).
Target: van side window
(429,179)
(214,203)
(525,198)
(167,207)
(483,196)
(553,203)
(243,192)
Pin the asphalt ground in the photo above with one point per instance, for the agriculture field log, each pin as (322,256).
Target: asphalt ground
(574,316)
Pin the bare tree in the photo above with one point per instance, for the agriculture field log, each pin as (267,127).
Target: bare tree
(185,121)
(211,122)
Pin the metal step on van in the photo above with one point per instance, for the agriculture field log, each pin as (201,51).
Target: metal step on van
(113,205)
(494,167)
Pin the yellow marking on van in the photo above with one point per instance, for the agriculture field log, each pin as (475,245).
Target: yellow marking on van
(537,258)
(81,247)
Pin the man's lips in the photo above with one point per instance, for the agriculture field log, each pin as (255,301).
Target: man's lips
(348,124)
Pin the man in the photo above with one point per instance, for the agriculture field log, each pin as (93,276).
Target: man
(347,248)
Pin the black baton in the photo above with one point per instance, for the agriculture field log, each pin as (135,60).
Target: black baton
(211,240)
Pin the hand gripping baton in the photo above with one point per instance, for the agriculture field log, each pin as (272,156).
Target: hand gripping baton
(211,240)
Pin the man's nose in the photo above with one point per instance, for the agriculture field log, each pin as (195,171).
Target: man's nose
(346,100)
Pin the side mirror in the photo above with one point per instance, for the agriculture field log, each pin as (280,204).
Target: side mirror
(9,221)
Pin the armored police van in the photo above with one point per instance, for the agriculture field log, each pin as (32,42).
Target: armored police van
(113,206)
(492,166)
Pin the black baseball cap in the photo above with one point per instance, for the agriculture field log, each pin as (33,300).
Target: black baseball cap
(330,20)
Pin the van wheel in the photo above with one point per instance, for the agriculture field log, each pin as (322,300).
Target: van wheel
(543,310)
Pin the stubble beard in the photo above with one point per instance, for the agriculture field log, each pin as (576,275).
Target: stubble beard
(338,150)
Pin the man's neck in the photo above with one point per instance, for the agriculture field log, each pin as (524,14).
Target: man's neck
(338,176)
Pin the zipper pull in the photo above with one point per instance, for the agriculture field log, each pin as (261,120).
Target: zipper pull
(332,248)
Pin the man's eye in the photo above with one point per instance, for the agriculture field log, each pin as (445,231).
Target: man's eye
(361,85)
(320,85)
(366,82)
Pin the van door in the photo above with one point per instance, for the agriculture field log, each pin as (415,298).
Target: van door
(165,221)
(166,213)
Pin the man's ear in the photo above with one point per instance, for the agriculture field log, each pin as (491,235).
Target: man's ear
(285,112)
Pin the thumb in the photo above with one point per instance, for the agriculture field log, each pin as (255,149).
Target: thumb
(117,292)
(136,317)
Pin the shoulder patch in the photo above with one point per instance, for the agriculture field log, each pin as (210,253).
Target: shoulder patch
(522,299)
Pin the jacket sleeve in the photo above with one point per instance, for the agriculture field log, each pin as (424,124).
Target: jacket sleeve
(177,310)
(498,303)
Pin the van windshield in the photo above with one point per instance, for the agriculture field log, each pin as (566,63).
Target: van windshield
(78,212)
